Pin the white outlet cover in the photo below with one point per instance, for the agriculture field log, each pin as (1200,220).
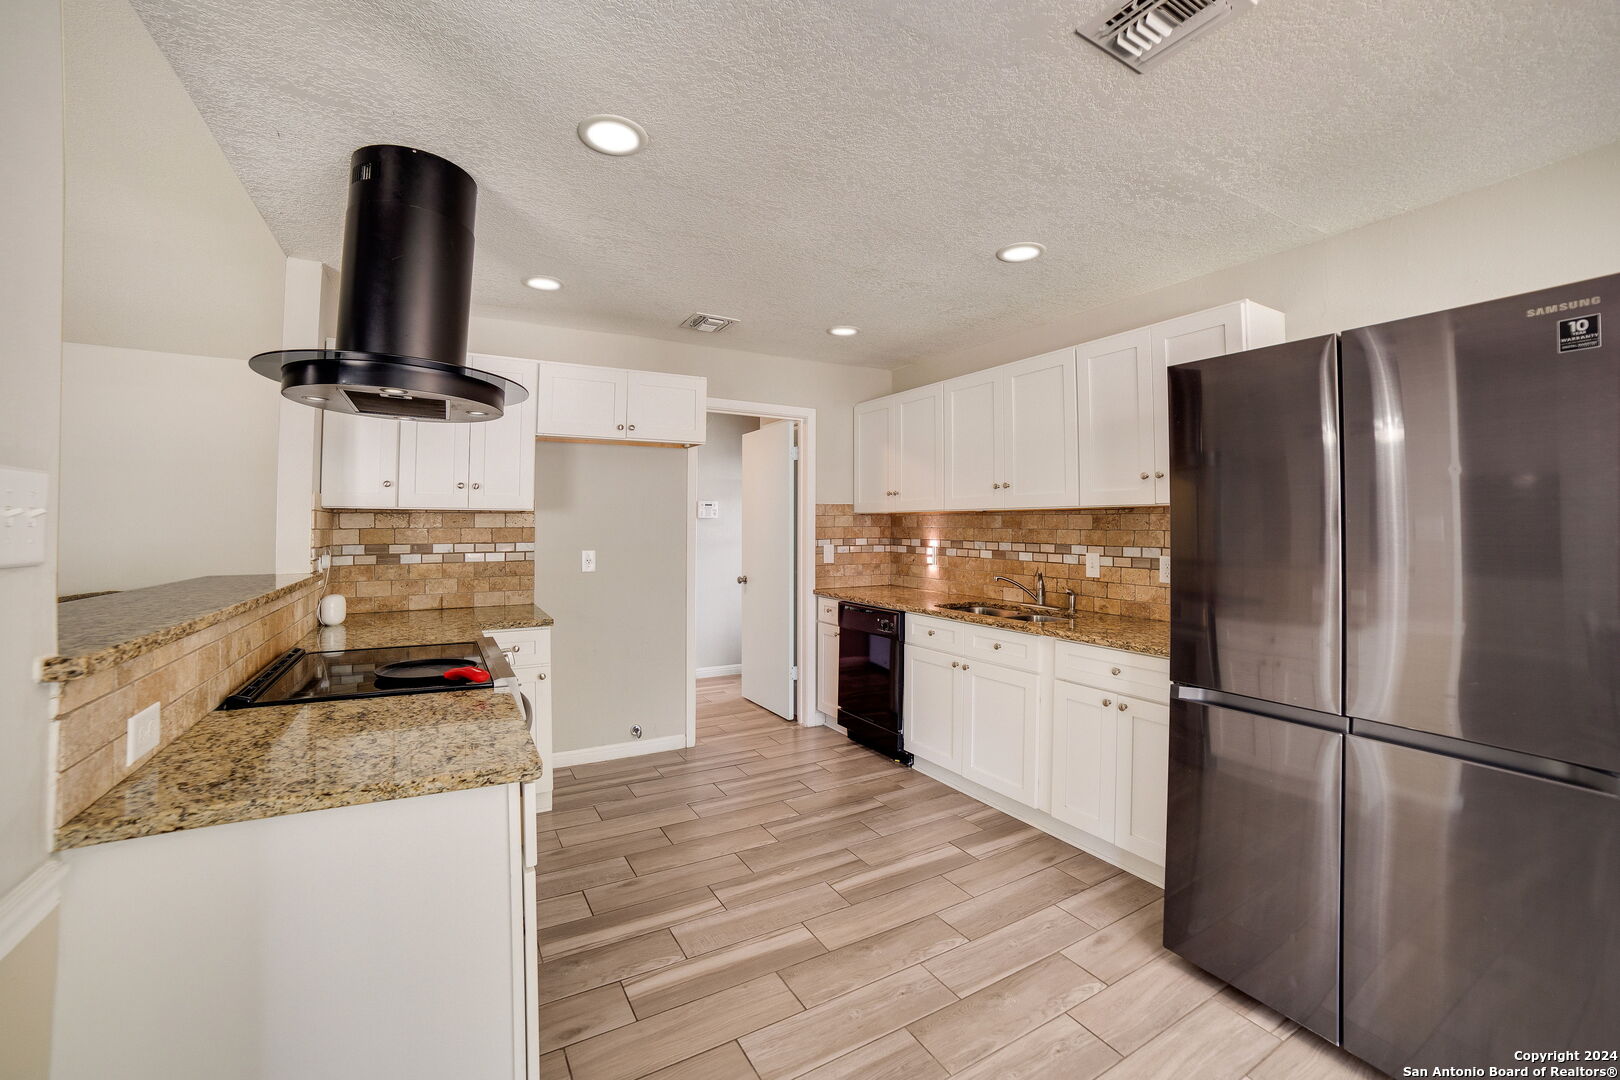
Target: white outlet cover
(1164,569)
(1093,564)
(141,733)
(587,561)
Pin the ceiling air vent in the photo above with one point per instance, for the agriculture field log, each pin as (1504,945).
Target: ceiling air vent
(1143,32)
(706,324)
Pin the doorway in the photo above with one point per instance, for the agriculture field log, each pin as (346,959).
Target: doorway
(752,540)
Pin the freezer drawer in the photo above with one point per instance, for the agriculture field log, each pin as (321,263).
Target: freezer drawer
(1252,867)
(1254,524)
(1478,911)
(1482,516)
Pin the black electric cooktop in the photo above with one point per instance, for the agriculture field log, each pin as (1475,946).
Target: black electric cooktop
(298,675)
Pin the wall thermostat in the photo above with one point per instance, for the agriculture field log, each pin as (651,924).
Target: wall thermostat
(708,509)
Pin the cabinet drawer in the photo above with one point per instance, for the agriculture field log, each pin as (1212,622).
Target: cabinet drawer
(1008,648)
(935,633)
(826,610)
(1112,669)
(524,648)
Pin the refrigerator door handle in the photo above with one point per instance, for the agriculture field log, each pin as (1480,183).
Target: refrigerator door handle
(1562,772)
(1275,710)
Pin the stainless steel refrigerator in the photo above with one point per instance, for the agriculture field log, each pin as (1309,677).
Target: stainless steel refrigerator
(1395,731)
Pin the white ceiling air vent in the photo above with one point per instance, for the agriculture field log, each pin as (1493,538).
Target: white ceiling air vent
(1143,32)
(706,324)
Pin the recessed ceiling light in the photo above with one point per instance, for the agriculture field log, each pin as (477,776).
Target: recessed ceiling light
(544,284)
(612,135)
(1020,252)
(844,331)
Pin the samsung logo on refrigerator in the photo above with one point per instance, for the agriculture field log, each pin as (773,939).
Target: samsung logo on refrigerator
(1567,305)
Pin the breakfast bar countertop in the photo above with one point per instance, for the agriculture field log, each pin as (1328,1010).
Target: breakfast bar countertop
(1148,636)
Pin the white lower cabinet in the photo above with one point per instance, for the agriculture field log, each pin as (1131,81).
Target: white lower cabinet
(528,651)
(827,669)
(1072,753)
(999,711)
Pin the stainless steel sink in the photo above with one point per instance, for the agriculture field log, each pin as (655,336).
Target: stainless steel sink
(985,609)
(1039,618)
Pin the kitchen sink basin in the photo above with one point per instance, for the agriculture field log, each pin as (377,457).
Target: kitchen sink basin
(985,609)
(1038,618)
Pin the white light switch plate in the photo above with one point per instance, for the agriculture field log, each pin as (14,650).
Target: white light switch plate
(22,517)
(587,561)
(141,733)
(1093,564)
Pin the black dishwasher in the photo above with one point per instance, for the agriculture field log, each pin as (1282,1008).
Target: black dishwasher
(870,649)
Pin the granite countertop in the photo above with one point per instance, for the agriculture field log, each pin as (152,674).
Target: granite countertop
(384,629)
(101,631)
(1148,636)
(286,759)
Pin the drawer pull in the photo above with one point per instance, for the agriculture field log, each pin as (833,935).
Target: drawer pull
(997,645)
(930,633)
(1113,671)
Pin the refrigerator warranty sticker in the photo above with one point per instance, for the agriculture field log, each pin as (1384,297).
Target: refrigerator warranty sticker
(1582,332)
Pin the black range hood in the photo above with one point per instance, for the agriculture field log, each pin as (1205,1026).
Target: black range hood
(403,300)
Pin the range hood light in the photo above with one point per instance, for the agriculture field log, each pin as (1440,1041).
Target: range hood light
(403,301)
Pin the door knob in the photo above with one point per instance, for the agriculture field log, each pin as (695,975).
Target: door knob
(742,579)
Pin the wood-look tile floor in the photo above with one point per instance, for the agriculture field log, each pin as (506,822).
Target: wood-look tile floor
(778,902)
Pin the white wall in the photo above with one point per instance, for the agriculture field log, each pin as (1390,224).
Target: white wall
(1555,225)
(830,389)
(718,597)
(30,367)
(156,493)
(171,280)
(163,249)
(619,652)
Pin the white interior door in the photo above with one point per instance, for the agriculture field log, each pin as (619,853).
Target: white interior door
(768,507)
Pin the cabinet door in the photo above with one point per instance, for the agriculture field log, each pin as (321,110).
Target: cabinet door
(999,716)
(501,462)
(580,400)
(1083,758)
(537,687)
(916,457)
(1115,379)
(1142,777)
(1040,433)
(874,426)
(666,408)
(827,669)
(359,461)
(433,465)
(1198,336)
(930,707)
(972,446)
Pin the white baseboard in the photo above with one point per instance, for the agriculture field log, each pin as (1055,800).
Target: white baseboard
(26,906)
(562,759)
(716,672)
(1125,860)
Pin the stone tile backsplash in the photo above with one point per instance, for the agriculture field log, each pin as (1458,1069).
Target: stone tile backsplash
(960,553)
(412,560)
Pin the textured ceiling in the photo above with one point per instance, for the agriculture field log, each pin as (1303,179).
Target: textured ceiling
(814,162)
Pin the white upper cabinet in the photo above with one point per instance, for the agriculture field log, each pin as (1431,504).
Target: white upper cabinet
(372,464)
(1038,432)
(666,408)
(1010,434)
(359,461)
(1115,378)
(899,447)
(1083,426)
(584,401)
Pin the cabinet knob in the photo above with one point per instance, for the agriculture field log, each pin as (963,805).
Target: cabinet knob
(1159,475)
(632,427)
(930,633)
(1144,476)
(1123,706)
(388,483)
(1113,671)
(621,427)
(542,676)
(997,487)
(1107,702)
(477,485)
(461,485)
(956,663)
(1005,485)
(997,645)
(964,667)
(742,579)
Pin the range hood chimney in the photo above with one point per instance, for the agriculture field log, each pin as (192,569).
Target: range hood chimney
(402,303)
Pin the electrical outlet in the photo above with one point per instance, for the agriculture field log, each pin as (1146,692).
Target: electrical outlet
(324,563)
(1093,564)
(141,733)
(826,553)
(1164,569)
(587,561)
